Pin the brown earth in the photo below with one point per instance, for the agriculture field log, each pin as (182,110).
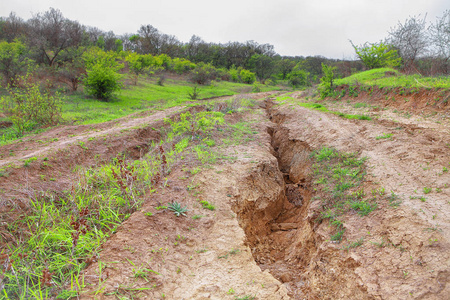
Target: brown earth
(264,238)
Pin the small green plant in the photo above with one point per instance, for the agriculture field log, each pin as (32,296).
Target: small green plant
(231,291)
(194,94)
(363,207)
(354,244)
(195,217)
(205,204)
(246,297)
(177,209)
(27,161)
(384,136)
(427,190)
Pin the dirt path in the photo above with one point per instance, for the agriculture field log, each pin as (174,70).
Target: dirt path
(63,136)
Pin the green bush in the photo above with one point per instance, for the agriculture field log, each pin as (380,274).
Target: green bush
(181,65)
(101,82)
(13,60)
(298,78)
(247,76)
(28,107)
(326,89)
(102,79)
(377,55)
(203,74)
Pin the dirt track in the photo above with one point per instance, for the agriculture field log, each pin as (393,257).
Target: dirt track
(406,250)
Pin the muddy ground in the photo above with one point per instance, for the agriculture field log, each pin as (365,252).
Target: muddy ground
(265,238)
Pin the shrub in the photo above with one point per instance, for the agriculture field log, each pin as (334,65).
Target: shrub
(234,74)
(247,76)
(298,78)
(28,107)
(13,60)
(102,82)
(102,79)
(326,89)
(203,74)
(181,65)
(256,88)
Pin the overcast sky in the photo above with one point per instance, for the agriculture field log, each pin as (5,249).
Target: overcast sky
(294,27)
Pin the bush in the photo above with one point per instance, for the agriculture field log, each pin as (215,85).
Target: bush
(247,76)
(256,88)
(102,79)
(234,74)
(102,82)
(298,78)
(181,65)
(203,74)
(28,107)
(13,60)
(326,89)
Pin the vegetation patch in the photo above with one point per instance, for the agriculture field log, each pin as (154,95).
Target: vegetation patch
(338,179)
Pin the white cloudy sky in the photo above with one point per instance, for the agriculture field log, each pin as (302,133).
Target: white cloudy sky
(294,27)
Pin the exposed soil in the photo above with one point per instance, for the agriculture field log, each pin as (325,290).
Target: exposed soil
(265,238)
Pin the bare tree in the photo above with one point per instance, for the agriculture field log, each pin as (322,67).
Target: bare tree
(150,40)
(50,33)
(440,38)
(13,27)
(411,40)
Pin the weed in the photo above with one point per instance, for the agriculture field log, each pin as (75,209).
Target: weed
(427,190)
(205,204)
(384,136)
(194,94)
(246,297)
(232,252)
(354,244)
(27,161)
(195,217)
(231,291)
(177,209)
(362,207)
(380,245)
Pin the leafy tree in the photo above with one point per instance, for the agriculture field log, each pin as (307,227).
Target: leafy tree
(377,55)
(262,65)
(13,60)
(285,67)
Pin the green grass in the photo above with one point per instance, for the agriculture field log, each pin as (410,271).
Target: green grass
(338,178)
(146,95)
(384,136)
(378,77)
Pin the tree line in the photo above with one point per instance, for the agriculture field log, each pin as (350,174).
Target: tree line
(50,40)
